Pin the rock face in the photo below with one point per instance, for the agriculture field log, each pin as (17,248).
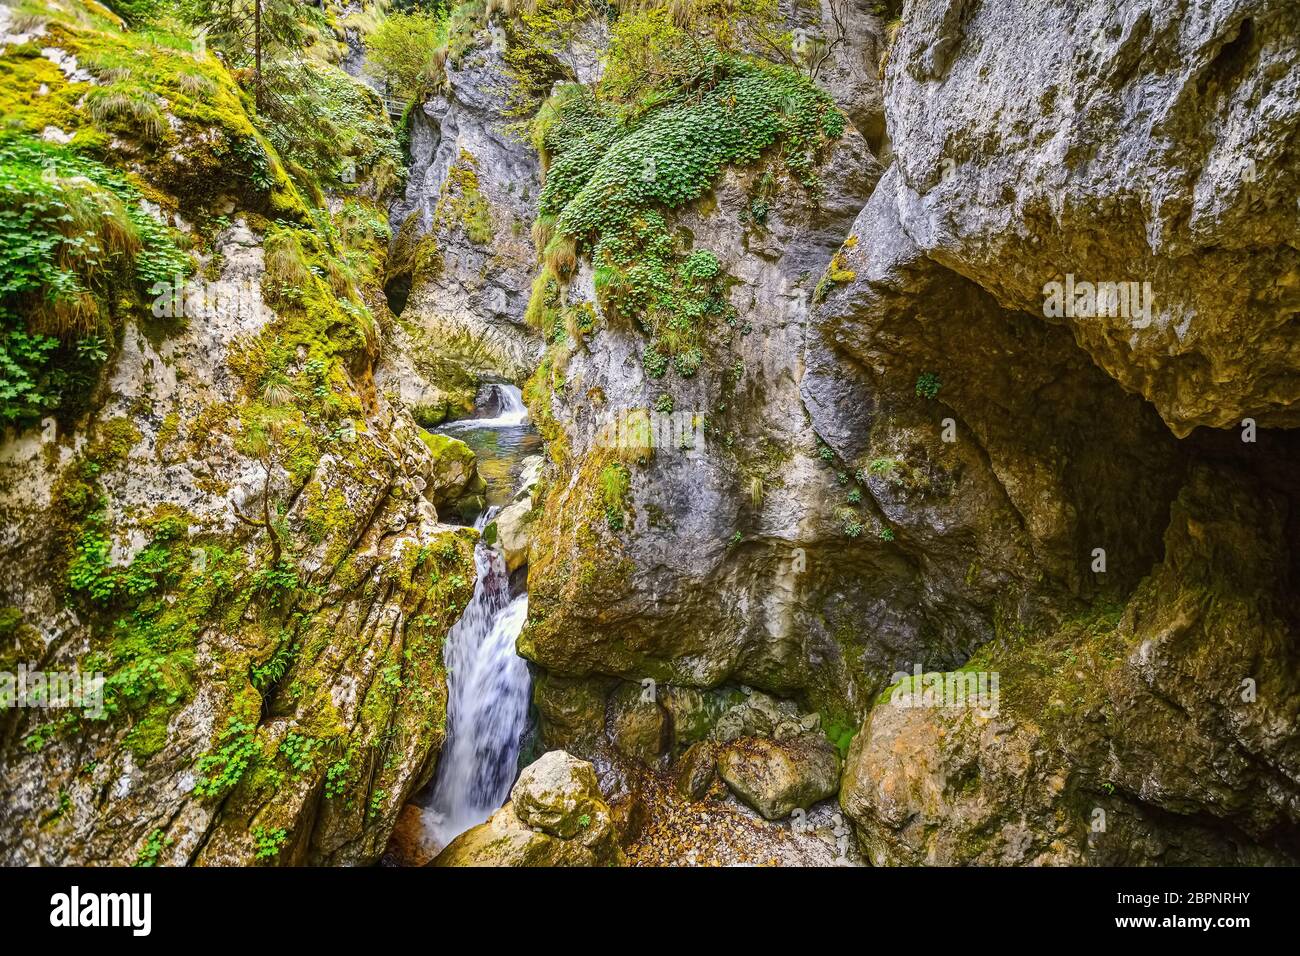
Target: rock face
(238,532)
(1159,712)
(702,583)
(774,777)
(935,363)
(1117,143)
(929,468)
(556,817)
(463,249)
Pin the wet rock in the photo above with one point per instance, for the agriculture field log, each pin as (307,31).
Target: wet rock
(1147,735)
(515,522)
(638,724)
(775,777)
(411,842)
(556,816)
(693,712)
(514,535)
(571,711)
(451,473)
(556,793)
(696,769)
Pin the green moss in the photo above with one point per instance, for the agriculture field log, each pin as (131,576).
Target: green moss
(10,620)
(614,173)
(461,203)
(447,450)
(615,488)
(837,272)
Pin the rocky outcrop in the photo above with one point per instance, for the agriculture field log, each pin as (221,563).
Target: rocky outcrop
(1155,735)
(926,468)
(234,529)
(701,582)
(463,253)
(514,523)
(1117,143)
(777,776)
(556,816)
(935,364)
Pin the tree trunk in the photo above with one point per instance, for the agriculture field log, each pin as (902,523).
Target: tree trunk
(257,53)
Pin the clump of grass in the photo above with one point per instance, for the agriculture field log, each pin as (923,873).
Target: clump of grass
(129,107)
(561,256)
(98,236)
(543,301)
(543,232)
(286,264)
(195,84)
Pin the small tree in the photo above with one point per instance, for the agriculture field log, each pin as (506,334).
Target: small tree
(248,32)
(405,49)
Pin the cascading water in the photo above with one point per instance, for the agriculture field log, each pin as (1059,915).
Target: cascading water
(509,406)
(488,684)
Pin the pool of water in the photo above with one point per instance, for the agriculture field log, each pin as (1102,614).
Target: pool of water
(500,452)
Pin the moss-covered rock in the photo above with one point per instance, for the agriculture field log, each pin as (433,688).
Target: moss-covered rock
(451,473)
(556,816)
(1141,736)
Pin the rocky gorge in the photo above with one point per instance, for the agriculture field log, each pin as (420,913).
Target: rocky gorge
(742,400)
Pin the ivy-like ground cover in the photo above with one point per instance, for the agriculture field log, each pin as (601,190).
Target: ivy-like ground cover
(615,170)
(74,238)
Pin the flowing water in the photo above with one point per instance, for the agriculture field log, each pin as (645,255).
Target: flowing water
(488,684)
(500,441)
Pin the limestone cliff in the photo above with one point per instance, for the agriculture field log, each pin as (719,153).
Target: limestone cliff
(939,340)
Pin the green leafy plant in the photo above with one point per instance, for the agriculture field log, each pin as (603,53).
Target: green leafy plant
(336,775)
(405,47)
(74,240)
(300,752)
(221,771)
(268,841)
(928,385)
(153,847)
(614,170)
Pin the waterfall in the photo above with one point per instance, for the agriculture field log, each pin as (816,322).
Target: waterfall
(488,683)
(509,408)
